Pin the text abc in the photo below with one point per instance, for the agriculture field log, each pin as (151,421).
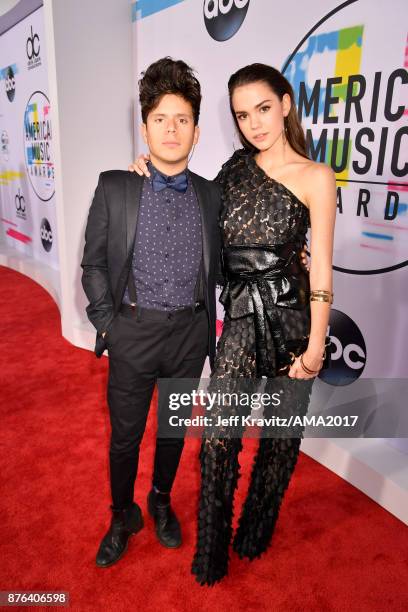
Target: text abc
(46,235)
(353,355)
(10,84)
(221,6)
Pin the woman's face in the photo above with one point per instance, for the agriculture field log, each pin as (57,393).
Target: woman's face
(260,113)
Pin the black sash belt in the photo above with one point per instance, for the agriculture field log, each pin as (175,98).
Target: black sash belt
(260,280)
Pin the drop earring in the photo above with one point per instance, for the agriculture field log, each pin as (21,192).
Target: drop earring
(285,130)
(234,142)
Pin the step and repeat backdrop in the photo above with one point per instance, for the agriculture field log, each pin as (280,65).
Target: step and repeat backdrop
(27,196)
(347,63)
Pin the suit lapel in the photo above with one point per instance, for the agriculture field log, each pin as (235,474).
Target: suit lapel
(134,185)
(202,197)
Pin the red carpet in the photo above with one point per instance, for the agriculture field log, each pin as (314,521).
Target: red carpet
(333,549)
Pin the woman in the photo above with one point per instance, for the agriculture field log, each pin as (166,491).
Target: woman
(271,194)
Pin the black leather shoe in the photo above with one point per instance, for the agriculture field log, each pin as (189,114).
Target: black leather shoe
(167,526)
(115,542)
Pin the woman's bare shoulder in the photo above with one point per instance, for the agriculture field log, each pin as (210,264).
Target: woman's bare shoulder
(319,183)
(318,171)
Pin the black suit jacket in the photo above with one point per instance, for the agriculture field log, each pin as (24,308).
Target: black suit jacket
(109,241)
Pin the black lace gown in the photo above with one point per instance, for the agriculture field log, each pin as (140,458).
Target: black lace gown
(266,297)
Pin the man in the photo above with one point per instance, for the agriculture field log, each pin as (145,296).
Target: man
(149,265)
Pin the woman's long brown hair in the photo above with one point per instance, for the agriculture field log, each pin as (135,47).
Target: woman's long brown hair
(280,86)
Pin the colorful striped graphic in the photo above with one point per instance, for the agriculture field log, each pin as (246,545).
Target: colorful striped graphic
(4,71)
(10,175)
(377,235)
(145,8)
(8,222)
(18,236)
(347,46)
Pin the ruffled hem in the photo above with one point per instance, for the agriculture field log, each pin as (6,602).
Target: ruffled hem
(273,467)
(220,474)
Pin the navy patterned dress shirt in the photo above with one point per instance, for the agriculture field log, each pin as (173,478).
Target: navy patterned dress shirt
(168,247)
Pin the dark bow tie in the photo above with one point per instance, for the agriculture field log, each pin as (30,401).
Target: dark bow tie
(178,182)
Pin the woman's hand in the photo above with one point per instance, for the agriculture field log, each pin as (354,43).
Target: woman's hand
(311,360)
(140,166)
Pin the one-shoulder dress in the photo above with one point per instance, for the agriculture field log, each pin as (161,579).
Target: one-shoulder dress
(266,301)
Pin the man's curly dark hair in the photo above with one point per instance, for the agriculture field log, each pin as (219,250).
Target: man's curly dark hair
(169,76)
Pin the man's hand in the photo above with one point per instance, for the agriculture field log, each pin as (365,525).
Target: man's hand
(304,259)
(139,166)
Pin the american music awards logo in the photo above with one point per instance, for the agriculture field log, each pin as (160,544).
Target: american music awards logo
(38,145)
(352,95)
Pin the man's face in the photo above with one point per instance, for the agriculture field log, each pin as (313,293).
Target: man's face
(169,131)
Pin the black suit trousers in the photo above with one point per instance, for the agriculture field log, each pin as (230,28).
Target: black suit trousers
(143,347)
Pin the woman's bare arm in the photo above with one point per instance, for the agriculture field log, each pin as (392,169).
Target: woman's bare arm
(321,199)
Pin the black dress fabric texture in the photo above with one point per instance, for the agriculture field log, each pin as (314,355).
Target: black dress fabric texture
(264,220)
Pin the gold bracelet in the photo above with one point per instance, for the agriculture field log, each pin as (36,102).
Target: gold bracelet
(321,298)
(321,295)
(321,292)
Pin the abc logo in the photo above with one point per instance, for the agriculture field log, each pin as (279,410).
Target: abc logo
(223,18)
(348,351)
(33,45)
(46,234)
(19,201)
(10,84)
